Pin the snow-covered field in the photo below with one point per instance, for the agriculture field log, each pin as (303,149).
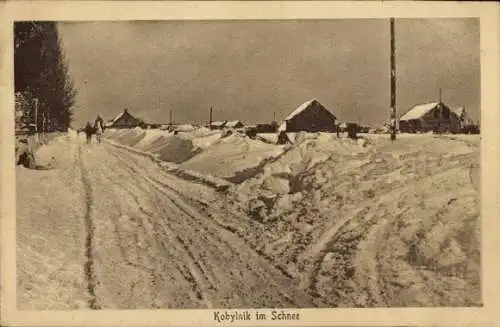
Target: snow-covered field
(322,222)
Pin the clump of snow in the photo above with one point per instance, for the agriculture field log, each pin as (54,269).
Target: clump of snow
(394,217)
(207,140)
(176,150)
(276,185)
(185,128)
(150,137)
(232,155)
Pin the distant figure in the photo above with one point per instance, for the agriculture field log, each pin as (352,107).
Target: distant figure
(98,127)
(89,130)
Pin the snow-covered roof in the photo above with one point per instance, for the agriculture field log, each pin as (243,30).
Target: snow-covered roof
(232,123)
(113,120)
(299,109)
(120,115)
(419,110)
(219,123)
(459,111)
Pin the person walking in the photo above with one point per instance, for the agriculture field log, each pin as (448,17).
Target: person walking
(99,127)
(88,132)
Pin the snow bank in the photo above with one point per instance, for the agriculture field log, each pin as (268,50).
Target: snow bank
(307,152)
(232,155)
(151,136)
(176,149)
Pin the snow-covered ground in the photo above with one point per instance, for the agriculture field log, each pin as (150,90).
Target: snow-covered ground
(318,223)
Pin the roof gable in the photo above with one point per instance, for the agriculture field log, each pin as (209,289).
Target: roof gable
(124,113)
(233,123)
(459,111)
(219,123)
(305,106)
(419,111)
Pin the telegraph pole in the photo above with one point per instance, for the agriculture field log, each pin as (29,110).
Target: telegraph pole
(393,124)
(170,121)
(210,121)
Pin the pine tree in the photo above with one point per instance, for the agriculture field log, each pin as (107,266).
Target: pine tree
(40,69)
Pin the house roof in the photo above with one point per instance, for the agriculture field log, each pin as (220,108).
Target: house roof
(300,108)
(419,110)
(219,123)
(303,107)
(120,115)
(459,111)
(232,123)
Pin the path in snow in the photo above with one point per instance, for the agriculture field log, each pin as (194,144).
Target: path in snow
(143,239)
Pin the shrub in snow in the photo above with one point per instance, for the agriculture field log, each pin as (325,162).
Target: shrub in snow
(257,209)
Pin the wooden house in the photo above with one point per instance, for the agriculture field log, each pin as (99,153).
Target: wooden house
(312,117)
(465,122)
(218,124)
(125,120)
(234,124)
(429,117)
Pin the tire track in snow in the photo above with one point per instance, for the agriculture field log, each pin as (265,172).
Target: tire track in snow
(204,227)
(90,227)
(169,245)
(162,186)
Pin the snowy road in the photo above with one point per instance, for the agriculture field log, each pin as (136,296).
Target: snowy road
(390,225)
(145,240)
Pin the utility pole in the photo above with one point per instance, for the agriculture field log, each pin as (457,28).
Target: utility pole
(210,121)
(440,95)
(393,123)
(170,121)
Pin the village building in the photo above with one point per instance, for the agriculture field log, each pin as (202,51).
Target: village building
(312,117)
(342,127)
(218,124)
(267,127)
(234,124)
(125,120)
(465,122)
(429,117)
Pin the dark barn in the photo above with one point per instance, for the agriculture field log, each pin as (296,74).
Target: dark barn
(312,117)
(125,120)
(429,117)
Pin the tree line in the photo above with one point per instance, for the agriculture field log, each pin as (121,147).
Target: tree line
(40,71)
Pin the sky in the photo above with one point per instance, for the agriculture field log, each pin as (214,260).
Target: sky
(250,70)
